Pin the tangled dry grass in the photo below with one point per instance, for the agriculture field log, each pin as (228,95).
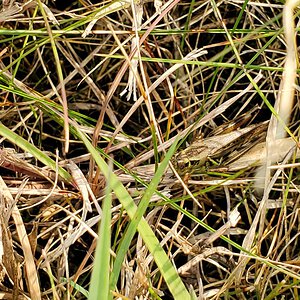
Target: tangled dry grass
(95,100)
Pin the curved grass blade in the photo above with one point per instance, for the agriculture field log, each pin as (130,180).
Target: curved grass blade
(164,264)
(131,230)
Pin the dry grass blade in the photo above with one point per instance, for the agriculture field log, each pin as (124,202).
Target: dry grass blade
(63,98)
(84,188)
(285,101)
(120,74)
(30,267)
(258,155)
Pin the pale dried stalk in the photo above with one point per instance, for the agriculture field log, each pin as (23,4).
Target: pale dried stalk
(30,267)
(284,105)
(285,100)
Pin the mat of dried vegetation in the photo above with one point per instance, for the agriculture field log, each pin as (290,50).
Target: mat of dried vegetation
(149,149)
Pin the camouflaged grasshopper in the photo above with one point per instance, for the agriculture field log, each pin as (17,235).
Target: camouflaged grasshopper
(232,145)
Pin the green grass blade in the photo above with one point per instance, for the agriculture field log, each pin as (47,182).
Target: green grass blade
(63,98)
(125,244)
(77,287)
(99,286)
(165,266)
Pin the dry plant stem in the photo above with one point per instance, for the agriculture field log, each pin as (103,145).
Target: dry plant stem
(122,71)
(116,84)
(137,12)
(31,273)
(63,98)
(284,106)
(286,93)
(137,15)
(79,68)
(151,89)
(78,232)
(79,271)
(285,100)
